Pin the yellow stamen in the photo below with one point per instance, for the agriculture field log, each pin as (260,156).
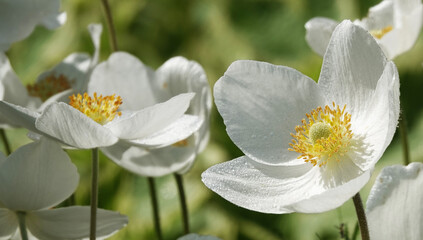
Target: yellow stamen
(325,137)
(48,86)
(379,33)
(100,109)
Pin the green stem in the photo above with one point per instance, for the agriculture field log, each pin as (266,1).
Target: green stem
(404,139)
(22,225)
(5,141)
(110,25)
(94,194)
(361,215)
(183,201)
(155,205)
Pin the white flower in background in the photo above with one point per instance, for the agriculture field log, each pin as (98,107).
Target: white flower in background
(141,87)
(308,147)
(194,236)
(395,204)
(90,122)
(68,77)
(18,18)
(37,177)
(395,24)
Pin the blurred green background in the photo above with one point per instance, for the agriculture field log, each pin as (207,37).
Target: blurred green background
(214,33)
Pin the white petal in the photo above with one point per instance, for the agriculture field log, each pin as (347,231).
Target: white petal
(151,162)
(278,189)
(394,207)
(95,32)
(318,33)
(36,176)
(18,116)
(352,66)
(379,16)
(73,223)
(19,17)
(179,75)
(124,75)
(261,104)
(194,236)
(376,127)
(72,127)
(12,89)
(179,130)
(150,120)
(8,222)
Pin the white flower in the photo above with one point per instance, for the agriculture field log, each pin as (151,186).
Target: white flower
(308,147)
(57,84)
(394,207)
(37,177)
(141,87)
(18,18)
(194,236)
(91,122)
(395,24)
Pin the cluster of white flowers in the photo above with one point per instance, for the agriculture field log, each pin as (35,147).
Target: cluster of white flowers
(308,147)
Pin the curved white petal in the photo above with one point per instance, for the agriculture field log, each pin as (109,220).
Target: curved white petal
(19,17)
(194,236)
(12,89)
(376,127)
(124,75)
(72,223)
(95,32)
(261,104)
(36,176)
(72,127)
(18,116)
(396,198)
(150,120)
(8,222)
(179,130)
(278,189)
(179,75)
(151,162)
(352,66)
(318,33)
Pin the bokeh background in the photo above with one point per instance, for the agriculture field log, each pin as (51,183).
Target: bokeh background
(214,33)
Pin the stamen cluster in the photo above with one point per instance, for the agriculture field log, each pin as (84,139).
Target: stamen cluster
(325,137)
(48,86)
(100,109)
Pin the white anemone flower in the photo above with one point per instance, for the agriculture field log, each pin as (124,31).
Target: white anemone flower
(395,24)
(68,77)
(194,236)
(90,122)
(394,207)
(37,177)
(141,87)
(308,147)
(18,18)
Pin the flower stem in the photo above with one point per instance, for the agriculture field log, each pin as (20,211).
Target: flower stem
(5,141)
(22,225)
(183,201)
(154,203)
(110,26)
(404,139)
(94,194)
(361,215)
